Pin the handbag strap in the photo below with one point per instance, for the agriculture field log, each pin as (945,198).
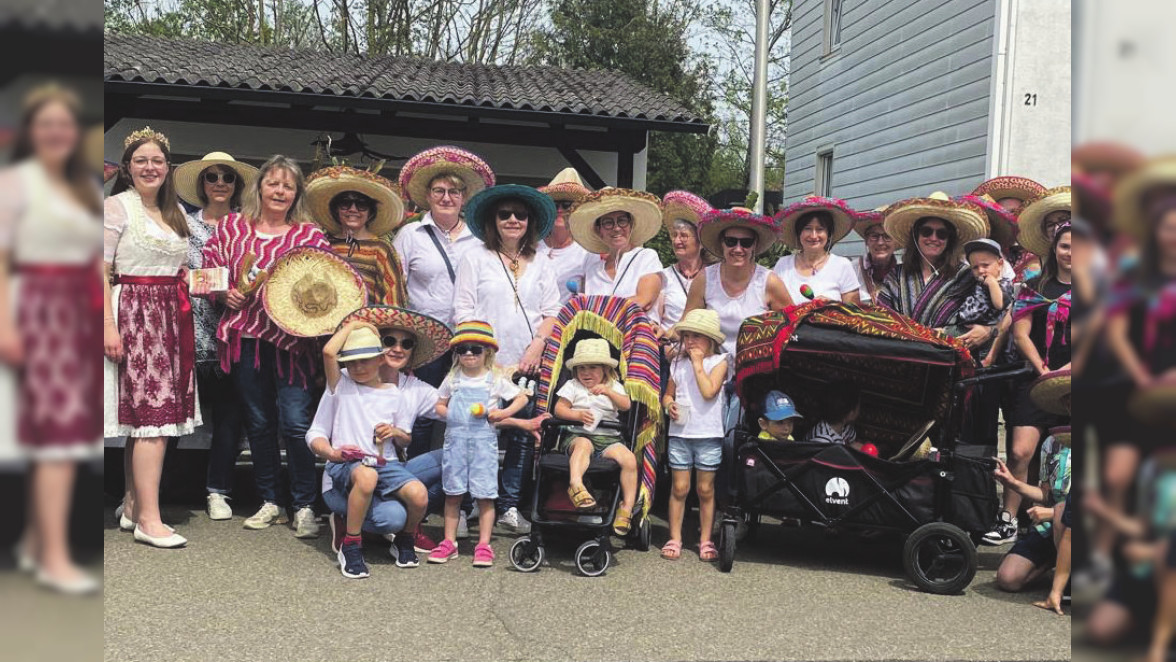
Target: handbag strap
(441,249)
(519,301)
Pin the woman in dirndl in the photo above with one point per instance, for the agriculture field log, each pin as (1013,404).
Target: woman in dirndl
(148,333)
(50,233)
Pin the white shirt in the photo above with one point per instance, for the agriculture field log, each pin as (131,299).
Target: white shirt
(485,291)
(581,398)
(675,288)
(704,419)
(349,415)
(834,280)
(630,268)
(566,264)
(501,388)
(733,310)
(430,290)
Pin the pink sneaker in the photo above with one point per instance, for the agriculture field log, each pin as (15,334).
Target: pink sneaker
(483,556)
(422,543)
(443,552)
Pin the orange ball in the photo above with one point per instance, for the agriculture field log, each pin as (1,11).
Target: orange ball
(478,409)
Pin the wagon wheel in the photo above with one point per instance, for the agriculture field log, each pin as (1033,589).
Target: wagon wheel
(642,535)
(526,555)
(726,546)
(940,558)
(592,559)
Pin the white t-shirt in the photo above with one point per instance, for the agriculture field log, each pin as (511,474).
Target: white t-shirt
(835,279)
(581,398)
(430,289)
(630,268)
(501,389)
(705,417)
(348,416)
(566,264)
(484,292)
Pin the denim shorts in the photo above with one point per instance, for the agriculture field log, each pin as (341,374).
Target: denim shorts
(392,476)
(702,454)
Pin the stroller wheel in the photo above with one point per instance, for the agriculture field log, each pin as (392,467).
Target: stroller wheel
(526,555)
(940,558)
(726,546)
(644,532)
(592,559)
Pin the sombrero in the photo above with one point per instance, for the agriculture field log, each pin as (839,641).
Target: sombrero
(480,208)
(869,219)
(1156,404)
(1091,200)
(843,219)
(968,219)
(1131,193)
(1105,156)
(645,208)
(309,290)
(683,206)
(445,160)
(1061,433)
(432,335)
(1032,220)
(187,175)
(715,222)
(1051,392)
(567,185)
(323,185)
(1021,188)
(1002,223)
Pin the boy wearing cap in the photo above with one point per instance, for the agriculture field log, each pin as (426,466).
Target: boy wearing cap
(779,417)
(992,293)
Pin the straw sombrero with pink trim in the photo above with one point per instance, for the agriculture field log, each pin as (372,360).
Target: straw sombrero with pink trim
(1019,188)
(1002,223)
(683,206)
(714,223)
(843,215)
(434,162)
(567,185)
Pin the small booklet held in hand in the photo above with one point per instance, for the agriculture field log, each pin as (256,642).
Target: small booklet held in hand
(216,278)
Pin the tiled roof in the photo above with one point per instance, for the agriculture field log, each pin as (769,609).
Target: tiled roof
(70,16)
(531,88)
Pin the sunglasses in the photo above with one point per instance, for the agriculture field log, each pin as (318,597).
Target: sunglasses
(392,341)
(468,348)
(942,234)
(217,177)
(564,205)
(348,202)
(732,242)
(610,223)
(505,214)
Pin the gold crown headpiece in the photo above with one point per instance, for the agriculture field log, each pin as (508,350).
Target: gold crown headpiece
(147,133)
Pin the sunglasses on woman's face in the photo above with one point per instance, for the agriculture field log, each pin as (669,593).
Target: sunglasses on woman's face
(609,223)
(348,202)
(405,343)
(217,177)
(563,205)
(941,234)
(505,214)
(470,348)
(732,242)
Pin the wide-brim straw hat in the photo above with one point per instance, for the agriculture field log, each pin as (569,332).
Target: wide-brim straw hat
(1156,404)
(843,215)
(702,321)
(869,219)
(683,206)
(1107,156)
(592,351)
(1032,220)
(1131,196)
(1051,392)
(567,185)
(432,163)
(432,335)
(187,175)
(968,220)
(715,222)
(1062,434)
(362,343)
(1020,188)
(1002,223)
(645,208)
(323,185)
(480,209)
(309,290)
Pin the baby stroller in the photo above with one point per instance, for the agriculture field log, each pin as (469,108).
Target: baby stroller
(632,341)
(923,484)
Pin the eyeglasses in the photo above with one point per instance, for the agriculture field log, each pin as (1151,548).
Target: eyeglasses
(451,192)
(217,177)
(143,162)
(468,348)
(941,234)
(878,236)
(346,202)
(505,214)
(732,242)
(564,205)
(609,223)
(391,342)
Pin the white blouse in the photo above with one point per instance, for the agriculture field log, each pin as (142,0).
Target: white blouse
(834,280)
(485,290)
(42,227)
(630,268)
(567,264)
(430,290)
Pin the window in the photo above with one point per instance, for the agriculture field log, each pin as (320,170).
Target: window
(832,25)
(823,181)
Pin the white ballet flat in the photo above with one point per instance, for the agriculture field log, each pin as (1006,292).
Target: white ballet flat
(172,541)
(83,584)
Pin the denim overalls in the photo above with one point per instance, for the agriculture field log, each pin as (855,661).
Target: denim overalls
(469,461)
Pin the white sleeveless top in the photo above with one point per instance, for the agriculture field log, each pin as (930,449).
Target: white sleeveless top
(733,310)
(674,290)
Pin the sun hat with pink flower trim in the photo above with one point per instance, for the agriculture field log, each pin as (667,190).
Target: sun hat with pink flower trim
(713,224)
(434,162)
(843,215)
(683,206)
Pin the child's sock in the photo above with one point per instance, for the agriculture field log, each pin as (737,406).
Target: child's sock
(356,539)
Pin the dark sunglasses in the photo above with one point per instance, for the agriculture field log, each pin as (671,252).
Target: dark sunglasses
(360,204)
(732,242)
(468,348)
(215,177)
(391,342)
(941,234)
(564,205)
(505,214)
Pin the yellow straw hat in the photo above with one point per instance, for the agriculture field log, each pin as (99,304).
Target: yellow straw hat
(1131,196)
(592,351)
(1156,404)
(362,343)
(702,321)
(645,208)
(968,220)
(1051,392)
(187,175)
(1033,236)
(309,290)
(323,185)
(567,185)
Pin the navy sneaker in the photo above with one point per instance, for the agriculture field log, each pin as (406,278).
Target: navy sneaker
(405,554)
(351,561)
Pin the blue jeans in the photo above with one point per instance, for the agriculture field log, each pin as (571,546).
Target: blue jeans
(432,373)
(274,406)
(387,515)
(227,414)
(516,466)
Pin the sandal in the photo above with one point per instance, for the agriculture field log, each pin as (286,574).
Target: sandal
(623,522)
(708,552)
(581,498)
(672,550)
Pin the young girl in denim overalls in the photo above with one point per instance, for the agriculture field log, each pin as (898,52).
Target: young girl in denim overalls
(468,400)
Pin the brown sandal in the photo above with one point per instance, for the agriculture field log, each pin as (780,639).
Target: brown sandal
(581,498)
(623,522)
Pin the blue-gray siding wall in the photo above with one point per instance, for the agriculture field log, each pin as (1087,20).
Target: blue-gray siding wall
(904,101)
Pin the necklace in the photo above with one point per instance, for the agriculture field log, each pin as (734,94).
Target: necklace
(514,266)
(813,266)
(687,276)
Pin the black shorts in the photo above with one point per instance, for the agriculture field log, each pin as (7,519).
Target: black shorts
(1066,513)
(1039,549)
(1026,414)
(1136,595)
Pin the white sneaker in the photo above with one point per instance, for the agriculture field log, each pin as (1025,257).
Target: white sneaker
(306,523)
(463,525)
(515,522)
(268,514)
(218,507)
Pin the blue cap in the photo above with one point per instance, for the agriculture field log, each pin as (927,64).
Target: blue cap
(778,407)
